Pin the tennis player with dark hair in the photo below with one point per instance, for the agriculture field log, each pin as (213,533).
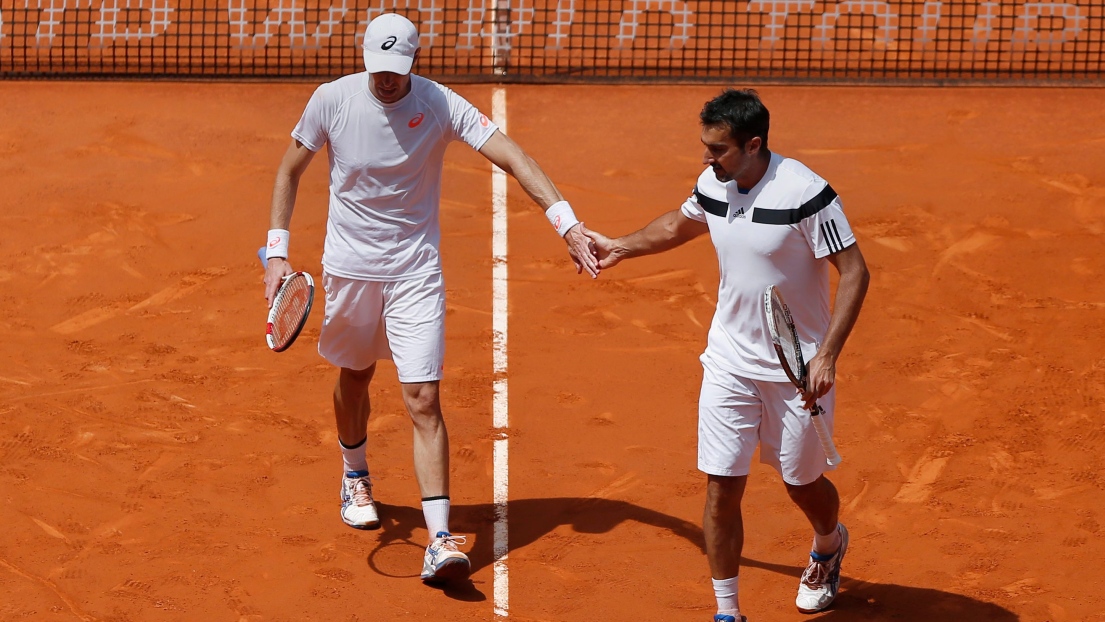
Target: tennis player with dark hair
(773,222)
(386,131)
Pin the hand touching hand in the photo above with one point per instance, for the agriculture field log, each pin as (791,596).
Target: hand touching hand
(606,250)
(582,251)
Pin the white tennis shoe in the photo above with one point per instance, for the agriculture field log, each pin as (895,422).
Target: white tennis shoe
(443,562)
(358,510)
(821,579)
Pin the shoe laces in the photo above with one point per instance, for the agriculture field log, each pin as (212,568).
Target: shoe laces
(817,572)
(449,543)
(361,490)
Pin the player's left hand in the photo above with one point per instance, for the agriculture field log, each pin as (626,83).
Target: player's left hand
(822,376)
(582,250)
(275,270)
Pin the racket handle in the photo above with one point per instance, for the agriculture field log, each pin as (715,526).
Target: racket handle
(823,434)
(261,256)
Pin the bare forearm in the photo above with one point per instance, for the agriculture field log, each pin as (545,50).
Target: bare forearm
(283,200)
(850,292)
(295,162)
(533,180)
(660,235)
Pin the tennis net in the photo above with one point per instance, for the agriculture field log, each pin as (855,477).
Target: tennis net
(880,41)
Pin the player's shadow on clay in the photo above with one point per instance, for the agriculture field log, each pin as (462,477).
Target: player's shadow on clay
(863,600)
(531,519)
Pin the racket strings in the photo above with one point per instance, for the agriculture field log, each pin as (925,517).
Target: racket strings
(788,340)
(290,305)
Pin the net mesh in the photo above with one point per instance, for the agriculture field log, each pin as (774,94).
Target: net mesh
(566,40)
(290,310)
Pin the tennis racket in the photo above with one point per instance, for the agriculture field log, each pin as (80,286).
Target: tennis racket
(290,308)
(784,336)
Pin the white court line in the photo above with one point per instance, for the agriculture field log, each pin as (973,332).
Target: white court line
(499,399)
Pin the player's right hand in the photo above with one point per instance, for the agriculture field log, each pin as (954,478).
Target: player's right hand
(582,251)
(606,249)
(275,270)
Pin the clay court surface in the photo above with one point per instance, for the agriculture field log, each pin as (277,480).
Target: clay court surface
(157,462)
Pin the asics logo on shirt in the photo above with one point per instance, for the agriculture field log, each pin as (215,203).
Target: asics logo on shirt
(390,41)
(416,120)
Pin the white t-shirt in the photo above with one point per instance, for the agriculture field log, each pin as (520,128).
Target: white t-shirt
(385,172)
(777,233)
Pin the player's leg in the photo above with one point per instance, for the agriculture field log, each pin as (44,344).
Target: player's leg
(729,414)
(352,405)
(431,440)
(821,580)
(820,502)
(801,462)
(443,560)
(414,312)
(352,338)
(723,528)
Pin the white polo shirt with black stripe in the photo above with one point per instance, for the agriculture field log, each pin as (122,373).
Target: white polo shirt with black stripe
(780,232)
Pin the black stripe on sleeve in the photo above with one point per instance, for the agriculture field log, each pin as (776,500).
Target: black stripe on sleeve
(824,236)
(797,215)
(829,241)
(712,206)
(836,235)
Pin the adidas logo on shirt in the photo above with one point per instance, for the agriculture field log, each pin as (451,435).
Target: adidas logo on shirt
(740,213)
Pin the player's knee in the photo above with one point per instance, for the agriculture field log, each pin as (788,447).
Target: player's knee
(358,376)
(813,491)
(423,405)
(724,494)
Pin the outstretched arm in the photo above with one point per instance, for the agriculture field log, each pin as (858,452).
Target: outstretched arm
(666,232)
(507,155)
(295,162)
(850,292)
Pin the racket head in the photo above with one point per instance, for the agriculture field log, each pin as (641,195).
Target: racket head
(290,308)
(784,336)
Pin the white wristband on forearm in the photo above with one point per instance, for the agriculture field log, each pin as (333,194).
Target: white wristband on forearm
(562,217)
(278,244)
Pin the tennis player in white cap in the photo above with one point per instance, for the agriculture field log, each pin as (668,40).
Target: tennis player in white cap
(387,131)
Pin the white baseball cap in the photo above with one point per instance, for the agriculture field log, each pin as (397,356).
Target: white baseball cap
(389,44)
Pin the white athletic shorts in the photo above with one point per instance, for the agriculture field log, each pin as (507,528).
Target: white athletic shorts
(737,413)
(403,321)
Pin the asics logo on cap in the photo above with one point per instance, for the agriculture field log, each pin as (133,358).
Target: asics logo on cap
(390,41)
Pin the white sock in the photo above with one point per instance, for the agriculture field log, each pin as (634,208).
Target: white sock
(436,511)
(828,544)
(725,591)
(355,458)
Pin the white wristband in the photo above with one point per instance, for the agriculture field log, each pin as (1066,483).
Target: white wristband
(278,244)
(562,217)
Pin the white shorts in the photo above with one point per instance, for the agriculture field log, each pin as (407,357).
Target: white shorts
(403,321)
(737,413)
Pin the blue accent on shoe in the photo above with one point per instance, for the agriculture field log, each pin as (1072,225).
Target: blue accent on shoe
(823,557)
(356,473)
(724,618)
(443,534)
